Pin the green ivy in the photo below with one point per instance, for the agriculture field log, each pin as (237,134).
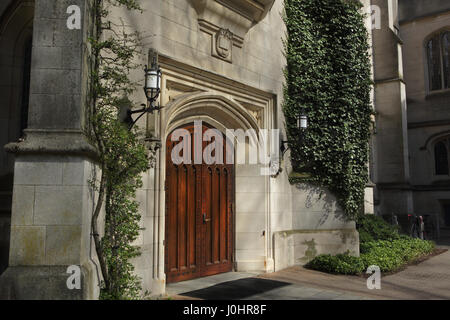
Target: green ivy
(328,74)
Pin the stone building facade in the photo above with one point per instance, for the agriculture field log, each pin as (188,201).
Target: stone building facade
(425,32)
(222,62)
(408,168)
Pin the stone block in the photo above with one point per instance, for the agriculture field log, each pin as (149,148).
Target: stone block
(250,222)
(55,9)
(37,171)
(247,170)
(72,82)
(48,81)
(149,229)
(68,108)
(72,57)
(75,172)
(27,245)
(40,283)
(250,240)
(47,58)
(64,37)
(61,205)
(43,30)
(281,221)
(22,206)
(150,203)
(250,202)
(250,255)
(250,184)
(55,112)
(62,245)
(250,265)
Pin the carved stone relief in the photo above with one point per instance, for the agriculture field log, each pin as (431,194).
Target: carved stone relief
(228,21)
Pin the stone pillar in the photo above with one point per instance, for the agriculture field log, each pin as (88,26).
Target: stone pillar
(52,201)
(391,140)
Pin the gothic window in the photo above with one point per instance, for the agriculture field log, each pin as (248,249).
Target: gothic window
(441,158)
(438,48)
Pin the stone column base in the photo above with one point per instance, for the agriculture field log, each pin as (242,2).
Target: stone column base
(42,283)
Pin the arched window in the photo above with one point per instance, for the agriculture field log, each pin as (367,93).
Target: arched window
(441,158)
(438,61)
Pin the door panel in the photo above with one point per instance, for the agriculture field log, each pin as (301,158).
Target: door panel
(198,217)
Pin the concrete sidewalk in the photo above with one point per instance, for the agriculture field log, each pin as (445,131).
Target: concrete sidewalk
(244,286)
(427,280)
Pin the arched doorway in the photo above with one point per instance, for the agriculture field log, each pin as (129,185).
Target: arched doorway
(199,204)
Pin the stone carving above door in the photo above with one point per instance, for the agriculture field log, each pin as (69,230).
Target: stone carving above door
(224,43)
(228,21)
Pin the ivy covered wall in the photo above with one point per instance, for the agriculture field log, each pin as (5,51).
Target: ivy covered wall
(328,75)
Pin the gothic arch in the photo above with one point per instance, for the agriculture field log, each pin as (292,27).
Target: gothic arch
(220,111)
(431,141)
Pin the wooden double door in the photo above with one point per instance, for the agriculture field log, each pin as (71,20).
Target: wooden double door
(198,224)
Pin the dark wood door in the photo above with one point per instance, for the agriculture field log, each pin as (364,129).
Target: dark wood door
(199,197)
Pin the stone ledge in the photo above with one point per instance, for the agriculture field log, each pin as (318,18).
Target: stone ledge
(237,15)
(56,142)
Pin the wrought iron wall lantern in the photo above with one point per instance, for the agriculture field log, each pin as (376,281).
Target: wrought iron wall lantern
(302,125)
(152,89)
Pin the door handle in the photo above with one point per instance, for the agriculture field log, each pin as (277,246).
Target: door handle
(204,218)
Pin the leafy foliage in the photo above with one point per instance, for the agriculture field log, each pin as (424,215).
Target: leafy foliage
(383,247)
(122,155)
(392,255)
(328,74)
(388,255)
(372,228)
(341,264)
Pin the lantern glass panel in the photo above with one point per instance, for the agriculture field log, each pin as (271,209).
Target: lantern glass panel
(152,79)
(303,122)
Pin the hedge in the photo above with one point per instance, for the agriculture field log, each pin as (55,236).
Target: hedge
(388,255)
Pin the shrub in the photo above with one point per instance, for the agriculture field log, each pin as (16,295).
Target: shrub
(387,258)
(388,255)
(341,263)
(371,228)
(391,255)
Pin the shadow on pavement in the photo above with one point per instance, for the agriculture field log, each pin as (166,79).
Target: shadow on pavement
(236,289)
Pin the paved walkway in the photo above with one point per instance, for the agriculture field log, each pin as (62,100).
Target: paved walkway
(246,286)
(427,280)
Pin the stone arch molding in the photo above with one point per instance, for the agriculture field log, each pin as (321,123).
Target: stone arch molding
(220,111)
(13,9)
(433,139)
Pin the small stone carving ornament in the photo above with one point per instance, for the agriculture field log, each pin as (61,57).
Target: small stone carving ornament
(224,42)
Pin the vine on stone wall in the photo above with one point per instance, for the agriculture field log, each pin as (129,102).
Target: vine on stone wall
(328,72)
(122,155)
